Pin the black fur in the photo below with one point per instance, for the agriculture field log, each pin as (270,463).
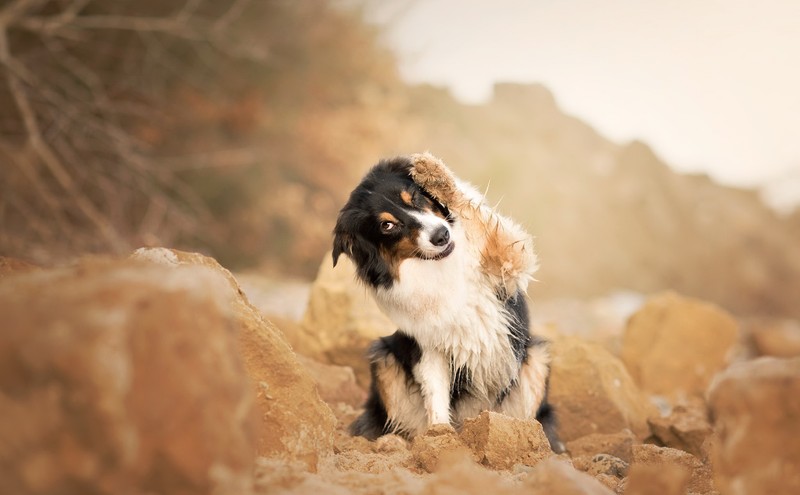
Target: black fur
(404,349)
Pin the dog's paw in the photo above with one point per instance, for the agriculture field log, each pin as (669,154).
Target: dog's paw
(433,175)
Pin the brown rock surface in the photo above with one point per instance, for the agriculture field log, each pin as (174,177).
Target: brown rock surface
(652,479)
(700,478)
(438,442)
(774,337)
(756,406)
(344,318)
(11,266)
(500,442)
(293,422)
(617,444)
(593,392)
(686,428)
(122,377)
(556,477)
(601,464)
(674,345)
(334,383)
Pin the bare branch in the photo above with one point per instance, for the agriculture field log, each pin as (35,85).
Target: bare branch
(46,154)
(14,10)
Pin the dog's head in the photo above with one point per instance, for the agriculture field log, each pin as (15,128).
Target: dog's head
(389,219)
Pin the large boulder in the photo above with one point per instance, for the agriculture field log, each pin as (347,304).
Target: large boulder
(756,411)
(592,392)
(293,421)
(122,377)
(674,345)
(343,318)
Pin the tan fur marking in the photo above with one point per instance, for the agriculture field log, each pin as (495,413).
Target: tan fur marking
(389,380)
(406,197)
(387,217)
(404,248)
(404,407)
(507,257)
(524,400)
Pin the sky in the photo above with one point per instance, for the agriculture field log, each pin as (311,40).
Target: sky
(711,85)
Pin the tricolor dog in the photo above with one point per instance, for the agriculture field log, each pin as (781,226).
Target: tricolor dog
(452,274)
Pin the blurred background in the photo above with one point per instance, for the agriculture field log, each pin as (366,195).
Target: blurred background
(646,145)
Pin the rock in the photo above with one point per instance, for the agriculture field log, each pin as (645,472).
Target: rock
(460,475)
(774,337)
(439,441)
(11,266)
(301,342)
(344,318)
(556,477)
(601,464)
(674,345)
(652,479)
(756,406)
(592,392)
(293,422)
(122,377)
(700,477)
(686,428)
(334,383)
(390,443)
(500,442)
(615,444)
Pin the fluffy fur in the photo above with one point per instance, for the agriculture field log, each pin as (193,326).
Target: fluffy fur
(452,274)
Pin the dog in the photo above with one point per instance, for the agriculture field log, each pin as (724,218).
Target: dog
(452,274)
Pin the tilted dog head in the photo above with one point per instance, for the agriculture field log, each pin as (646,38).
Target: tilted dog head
(389,219)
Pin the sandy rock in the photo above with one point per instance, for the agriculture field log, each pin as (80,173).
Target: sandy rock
(500,442)
(616,444)
(593,392)
(439,441)
(686,428)
(293,422)
(652,479)
(756,406)
(556,477)
(601,464)
(301,342)
(11,266)
(460,475)
(334,383)
(390,443)
(700,478)
(343,318)
(774,337)
(122,377)
(674,345)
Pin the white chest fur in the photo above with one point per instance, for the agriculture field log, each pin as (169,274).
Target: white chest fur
(448,309)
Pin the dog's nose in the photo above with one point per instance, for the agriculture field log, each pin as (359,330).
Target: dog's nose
(441,236)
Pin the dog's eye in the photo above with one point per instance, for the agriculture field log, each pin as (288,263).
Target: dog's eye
(387,227)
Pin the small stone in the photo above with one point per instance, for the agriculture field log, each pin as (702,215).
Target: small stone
(500,442)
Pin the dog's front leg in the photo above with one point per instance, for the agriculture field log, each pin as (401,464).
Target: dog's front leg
(433,375)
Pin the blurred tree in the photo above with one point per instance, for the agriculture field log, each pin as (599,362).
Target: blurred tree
(191,123)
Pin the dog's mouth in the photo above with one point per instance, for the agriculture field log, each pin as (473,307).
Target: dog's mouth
(442,254)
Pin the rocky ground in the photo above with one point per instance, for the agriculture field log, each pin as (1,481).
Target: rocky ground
(156,374)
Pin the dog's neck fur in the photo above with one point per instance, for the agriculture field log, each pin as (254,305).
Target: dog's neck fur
(448,309)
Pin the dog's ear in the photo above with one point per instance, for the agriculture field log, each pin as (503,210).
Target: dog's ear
(342,244)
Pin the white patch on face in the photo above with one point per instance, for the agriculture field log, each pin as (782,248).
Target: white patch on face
(431,225)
